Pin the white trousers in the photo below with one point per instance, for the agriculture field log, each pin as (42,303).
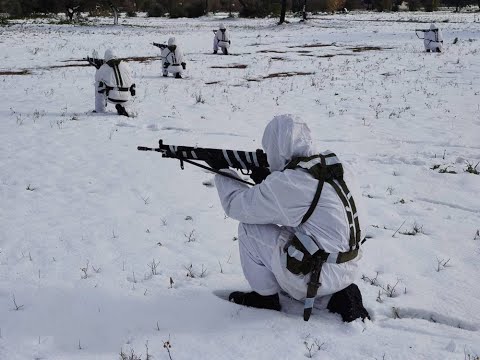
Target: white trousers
(257,244)
(173,69)
(433,45)
(264,265)
(218,43)
(101,102)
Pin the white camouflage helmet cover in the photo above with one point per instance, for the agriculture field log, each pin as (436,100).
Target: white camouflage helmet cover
(284,139)
(109,55)
(172,41)
(222,27)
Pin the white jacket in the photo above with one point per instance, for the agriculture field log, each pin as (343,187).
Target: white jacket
(173,58)
(115,77)
(223,38)
(433,39)
(284,197)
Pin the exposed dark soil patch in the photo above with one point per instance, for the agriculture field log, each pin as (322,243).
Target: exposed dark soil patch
(303,51)
(278,58)
(281,75)
(332,55)
(12,72)
(212,82)
(65,66)
(287,74)
(272,51)
(232,66)
(368,48)
(140,59)
(312,45)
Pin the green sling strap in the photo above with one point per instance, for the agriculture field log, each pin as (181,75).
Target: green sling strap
(304,256)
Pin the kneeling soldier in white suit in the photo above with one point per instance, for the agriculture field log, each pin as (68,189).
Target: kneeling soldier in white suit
(221,40)
(113,84)
(172,59)
(433,39)
(299,226)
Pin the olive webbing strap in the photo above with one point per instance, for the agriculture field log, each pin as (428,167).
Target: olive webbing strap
(314,203)
(353,207)
(318,192)
(312,288)
(346,204)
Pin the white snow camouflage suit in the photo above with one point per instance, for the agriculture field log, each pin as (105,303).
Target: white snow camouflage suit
(173,59)
(433,39)
(221,39)
(272,211)
(113,83)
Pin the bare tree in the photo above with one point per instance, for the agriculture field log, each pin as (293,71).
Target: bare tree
(282,12)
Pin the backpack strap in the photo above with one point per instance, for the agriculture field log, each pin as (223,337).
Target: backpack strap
(323,167)
(326,168)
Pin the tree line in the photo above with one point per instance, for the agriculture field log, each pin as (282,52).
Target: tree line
(195,8)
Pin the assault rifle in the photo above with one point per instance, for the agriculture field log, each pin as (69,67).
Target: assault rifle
(424,31)
(95,61)
(161,46)
(245,161)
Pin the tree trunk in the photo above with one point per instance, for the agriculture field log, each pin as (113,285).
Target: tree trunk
(282,12)
(305,10)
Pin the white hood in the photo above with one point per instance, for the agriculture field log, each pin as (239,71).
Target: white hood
(109,55)
(284,139)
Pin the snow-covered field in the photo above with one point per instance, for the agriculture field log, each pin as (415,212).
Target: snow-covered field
(92,231)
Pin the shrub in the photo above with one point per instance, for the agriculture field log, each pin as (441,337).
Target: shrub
(255,8)
(156,10)
(331,5)
(382,5)
(177,12)
(413,5)
(195,9)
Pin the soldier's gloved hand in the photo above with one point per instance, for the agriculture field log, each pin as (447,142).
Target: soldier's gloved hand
(184,65)
(166,64)
(132,90)
(230,42)
(259,174)
(217,164)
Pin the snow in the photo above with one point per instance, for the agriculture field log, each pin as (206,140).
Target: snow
(76,194)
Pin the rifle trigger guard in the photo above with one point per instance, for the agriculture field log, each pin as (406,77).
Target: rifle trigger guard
(245,171)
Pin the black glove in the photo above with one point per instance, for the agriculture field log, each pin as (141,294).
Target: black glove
(132,90)
(230,42)
(259,174)
(217,164)
(166,64)
(184,65)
